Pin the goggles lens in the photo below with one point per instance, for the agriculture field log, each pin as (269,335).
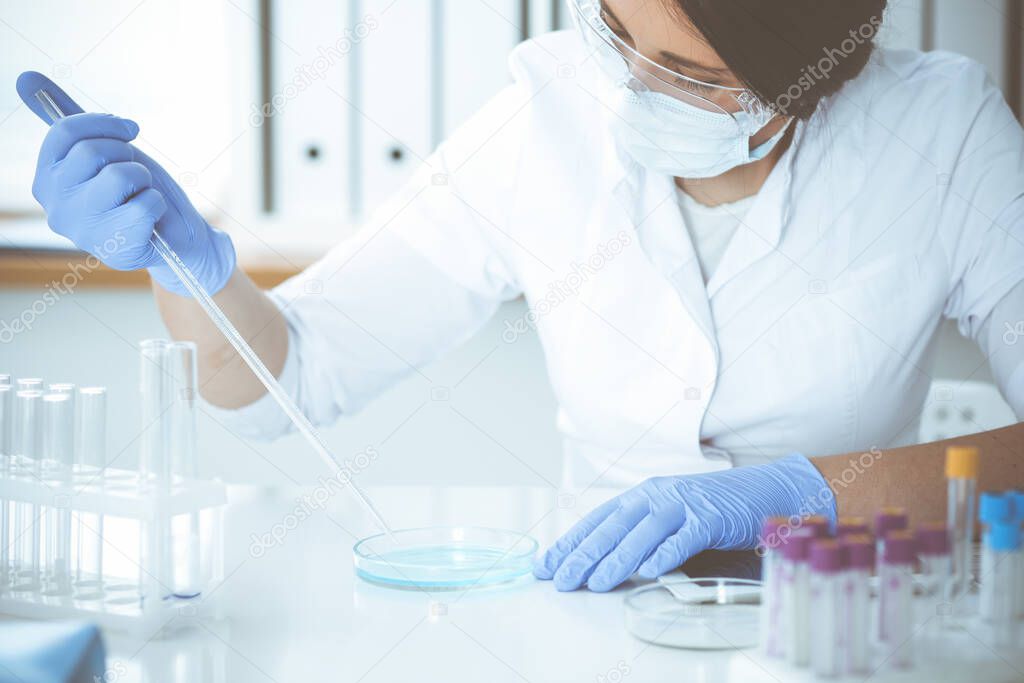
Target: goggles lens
(624,65)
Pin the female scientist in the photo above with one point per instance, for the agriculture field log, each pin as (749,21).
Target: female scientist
(738,226)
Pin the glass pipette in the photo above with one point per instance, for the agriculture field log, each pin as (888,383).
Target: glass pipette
(222,322)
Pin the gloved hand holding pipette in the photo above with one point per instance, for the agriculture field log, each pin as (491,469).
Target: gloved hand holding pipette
(656,526)
(106,196)
(200,273)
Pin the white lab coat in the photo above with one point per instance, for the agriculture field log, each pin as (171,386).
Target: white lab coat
(901,202)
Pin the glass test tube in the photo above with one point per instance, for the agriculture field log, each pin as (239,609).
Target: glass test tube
(6,456)
(859,562)
(69,389)
(184,542)
(826,592)
(1002,550)
(26,530)
(91,455)
(29,384)
(155,390)
(795,597)
(154,467)
(962,478)
(57,448)
(771,552)
(897,589)
(171,547)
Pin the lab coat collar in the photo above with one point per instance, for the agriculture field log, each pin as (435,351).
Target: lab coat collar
(649,200)
(643,196)
(760,231)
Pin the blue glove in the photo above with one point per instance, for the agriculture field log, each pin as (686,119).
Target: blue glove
(659,524)
(107,197)
(51,652)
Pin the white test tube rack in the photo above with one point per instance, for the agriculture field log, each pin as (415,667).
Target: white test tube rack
(136,588)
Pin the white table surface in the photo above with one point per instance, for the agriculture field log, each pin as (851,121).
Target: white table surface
(298,613)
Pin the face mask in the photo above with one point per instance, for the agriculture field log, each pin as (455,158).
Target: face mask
(669,136)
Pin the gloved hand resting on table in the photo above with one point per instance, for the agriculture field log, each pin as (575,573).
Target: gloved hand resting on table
(656,526)
(107,197)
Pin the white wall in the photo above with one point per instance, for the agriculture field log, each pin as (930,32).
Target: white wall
(485,415)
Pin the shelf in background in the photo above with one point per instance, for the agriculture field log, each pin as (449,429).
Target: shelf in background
(34,268)
(268,251)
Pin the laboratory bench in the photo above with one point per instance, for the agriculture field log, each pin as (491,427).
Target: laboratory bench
(293,610)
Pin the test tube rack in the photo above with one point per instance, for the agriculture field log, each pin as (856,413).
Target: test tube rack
(148,574)
(81,538)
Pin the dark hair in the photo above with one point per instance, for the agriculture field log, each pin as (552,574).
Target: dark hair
(790,53)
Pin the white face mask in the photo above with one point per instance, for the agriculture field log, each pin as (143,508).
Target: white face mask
(669,136)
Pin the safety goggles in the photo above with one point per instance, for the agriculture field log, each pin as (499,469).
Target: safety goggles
(624,65)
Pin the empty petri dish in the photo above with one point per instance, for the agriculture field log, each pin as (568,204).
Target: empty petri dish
(698,614)
(444,558)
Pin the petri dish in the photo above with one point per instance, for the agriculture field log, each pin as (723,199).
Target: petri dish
(699,614)
(444,558)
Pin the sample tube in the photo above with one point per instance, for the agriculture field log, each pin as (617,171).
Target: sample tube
(859,560)
(818,525)
(1018,515)
(27,533)
(1001,555)
(5,380)
(29,384)
(888,519)
(993,508)
(6,457)
(796,596)
(846,526)
(826,592)
(57,448)
(935,573)
(897,589)
(771,581)
(962,478)
(91,457)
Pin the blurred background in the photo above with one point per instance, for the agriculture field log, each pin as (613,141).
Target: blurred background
(286,123)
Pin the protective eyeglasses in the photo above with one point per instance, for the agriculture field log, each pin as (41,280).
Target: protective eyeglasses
(624,65)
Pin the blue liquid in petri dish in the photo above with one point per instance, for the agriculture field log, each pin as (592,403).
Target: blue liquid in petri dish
(444,558)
